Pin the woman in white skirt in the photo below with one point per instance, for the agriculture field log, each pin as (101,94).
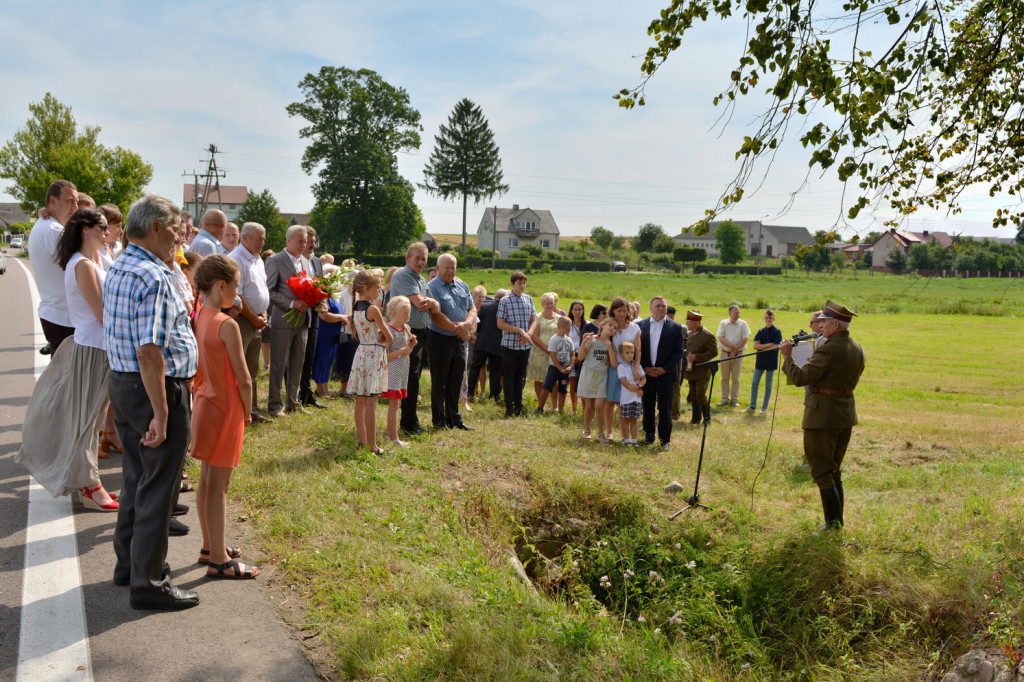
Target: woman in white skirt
(61,431)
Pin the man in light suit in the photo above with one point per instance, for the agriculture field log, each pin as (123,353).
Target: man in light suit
(307,396)
(287,343)
(661,349)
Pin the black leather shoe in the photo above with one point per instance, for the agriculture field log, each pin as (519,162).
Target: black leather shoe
(176,599)
(462,426)
(414,431)
(312,402)
(122,581)
(177,528)
(179,509)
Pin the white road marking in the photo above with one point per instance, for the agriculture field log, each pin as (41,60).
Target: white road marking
(54,641)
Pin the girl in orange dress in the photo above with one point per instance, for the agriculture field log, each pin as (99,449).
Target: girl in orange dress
(220,413)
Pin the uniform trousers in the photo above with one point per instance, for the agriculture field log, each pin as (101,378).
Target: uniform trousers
(825,450)
(699,391)
(151,478)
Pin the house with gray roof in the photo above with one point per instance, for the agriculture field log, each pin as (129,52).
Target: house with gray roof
(516,227)
(769,240)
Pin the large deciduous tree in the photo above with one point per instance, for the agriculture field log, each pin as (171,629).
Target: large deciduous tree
(912,102)
(261,207)
(730,240)
(646,237)
(465,161)
(51,147)
(357,123)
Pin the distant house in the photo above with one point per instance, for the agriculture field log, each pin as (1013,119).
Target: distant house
(296,218)
(12,213)
(902,239)
(855,253)
(228,198)
(515,228)
(769,240)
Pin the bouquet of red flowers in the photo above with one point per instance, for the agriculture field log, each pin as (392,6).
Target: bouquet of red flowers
(305,289)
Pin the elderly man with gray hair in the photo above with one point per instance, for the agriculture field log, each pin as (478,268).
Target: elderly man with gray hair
(287,343)
(153,355)
(449,330)
(252,290)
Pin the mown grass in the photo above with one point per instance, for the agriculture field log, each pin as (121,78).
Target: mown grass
(402,561)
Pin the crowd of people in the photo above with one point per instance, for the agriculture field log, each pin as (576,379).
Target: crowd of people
(155,337)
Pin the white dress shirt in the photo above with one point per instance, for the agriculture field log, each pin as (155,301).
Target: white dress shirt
(656,328)
(252,279)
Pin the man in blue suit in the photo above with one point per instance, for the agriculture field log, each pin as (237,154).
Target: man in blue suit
(661,349)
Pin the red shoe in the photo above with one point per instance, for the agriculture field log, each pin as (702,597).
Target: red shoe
(86,496)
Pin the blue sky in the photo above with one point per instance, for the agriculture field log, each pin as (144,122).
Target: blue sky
(167,80)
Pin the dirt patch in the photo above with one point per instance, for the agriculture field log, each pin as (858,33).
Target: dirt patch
(508,483)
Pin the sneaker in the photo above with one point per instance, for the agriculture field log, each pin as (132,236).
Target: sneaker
(764,412)
(723,402)
(735,403)
(749,410)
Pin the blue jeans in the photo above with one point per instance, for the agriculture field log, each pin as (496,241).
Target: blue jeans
(769,373)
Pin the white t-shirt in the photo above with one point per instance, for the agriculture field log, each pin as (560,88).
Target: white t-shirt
(627,396)
(42,246)
(88,330)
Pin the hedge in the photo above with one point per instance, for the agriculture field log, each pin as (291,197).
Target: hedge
(736,270)
(481,262)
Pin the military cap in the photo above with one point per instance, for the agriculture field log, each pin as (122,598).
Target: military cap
(694,315)
(835,311)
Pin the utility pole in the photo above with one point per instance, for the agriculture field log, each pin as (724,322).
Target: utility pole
(760,229)
(494,239)
(212,175)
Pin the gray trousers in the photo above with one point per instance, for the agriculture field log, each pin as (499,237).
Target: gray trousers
(251,342)
(151,479)
(287,350)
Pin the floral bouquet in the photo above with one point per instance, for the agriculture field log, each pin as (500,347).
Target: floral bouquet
(314,291)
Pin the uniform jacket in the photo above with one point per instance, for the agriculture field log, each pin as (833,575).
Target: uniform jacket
(279,269)
(836,365)
(670,347)
(702,344)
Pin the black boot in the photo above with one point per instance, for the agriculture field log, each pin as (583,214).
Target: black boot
(696,413)
(707,413)
(842,503)
(832,505)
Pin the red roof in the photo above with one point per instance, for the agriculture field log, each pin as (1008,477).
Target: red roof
(907,239)
(228,194)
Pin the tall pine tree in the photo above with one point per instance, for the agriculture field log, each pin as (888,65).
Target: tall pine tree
(465,161)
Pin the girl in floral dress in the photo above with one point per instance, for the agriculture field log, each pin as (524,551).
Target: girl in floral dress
(369,376)
(401,348)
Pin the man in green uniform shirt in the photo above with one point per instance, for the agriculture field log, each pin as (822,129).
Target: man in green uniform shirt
(829,410)
(701,346)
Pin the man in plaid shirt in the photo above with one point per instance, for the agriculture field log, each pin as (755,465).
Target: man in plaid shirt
(515,315)
(153,355)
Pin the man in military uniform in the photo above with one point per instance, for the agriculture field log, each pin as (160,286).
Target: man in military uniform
(701,346)
(829,410)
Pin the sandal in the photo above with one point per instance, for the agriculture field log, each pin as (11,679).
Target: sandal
(107,446)
(233,553)
(237,573)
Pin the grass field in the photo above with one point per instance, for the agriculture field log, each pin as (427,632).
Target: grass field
(397,567)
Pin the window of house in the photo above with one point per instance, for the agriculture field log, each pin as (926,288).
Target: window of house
(512,241)
(528,225)
(545,243)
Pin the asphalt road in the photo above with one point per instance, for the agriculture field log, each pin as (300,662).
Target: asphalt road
(234,632)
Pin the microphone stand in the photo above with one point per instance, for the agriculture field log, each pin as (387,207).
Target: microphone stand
(694,500)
